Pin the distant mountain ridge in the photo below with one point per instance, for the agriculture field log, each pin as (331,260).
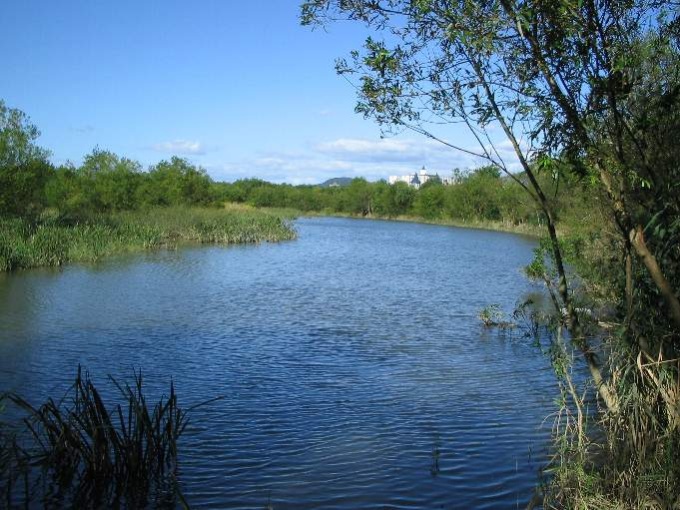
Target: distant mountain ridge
(336,181)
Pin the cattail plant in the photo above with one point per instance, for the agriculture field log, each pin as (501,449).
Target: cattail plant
(80,453)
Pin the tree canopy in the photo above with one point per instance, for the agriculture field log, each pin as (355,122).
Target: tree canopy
(23,164)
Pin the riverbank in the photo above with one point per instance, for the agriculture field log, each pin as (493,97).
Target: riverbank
(54,240)
(496,226)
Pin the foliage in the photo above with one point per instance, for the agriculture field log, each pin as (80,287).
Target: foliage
(57,240)
(491,315)
(478,196)
(176,182)
(23,165)
(106,183)
(111,182)
(85,454)
(17,139)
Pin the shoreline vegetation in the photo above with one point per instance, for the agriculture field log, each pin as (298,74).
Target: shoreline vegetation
(52,240)
(508,227)
(79,452)
(52,215)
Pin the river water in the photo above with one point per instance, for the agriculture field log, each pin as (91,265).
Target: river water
(354,370)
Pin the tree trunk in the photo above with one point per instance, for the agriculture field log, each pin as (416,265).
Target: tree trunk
(573,324)
(624,218)
(629,284)
(637,239)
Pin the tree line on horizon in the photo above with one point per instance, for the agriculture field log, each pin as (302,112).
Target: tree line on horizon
(479,195)
(108,183)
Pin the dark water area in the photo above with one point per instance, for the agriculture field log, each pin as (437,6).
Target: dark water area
(355,371)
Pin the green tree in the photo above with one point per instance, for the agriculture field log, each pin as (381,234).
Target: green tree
(267,196)
(17,139)
(68,192)
(483,191)
(358,197)
(176,182)
(429,201)
(24,166)
(393,200)
(112,181)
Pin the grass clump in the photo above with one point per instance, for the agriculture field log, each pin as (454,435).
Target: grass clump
(629,459)
(54,240)
(84,454)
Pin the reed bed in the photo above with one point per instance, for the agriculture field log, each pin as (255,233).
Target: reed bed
(86,455)
(54,240)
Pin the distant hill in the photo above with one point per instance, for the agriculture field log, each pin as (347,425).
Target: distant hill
(337,181)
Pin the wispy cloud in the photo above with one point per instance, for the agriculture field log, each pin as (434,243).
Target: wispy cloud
(88,128)
(292,168)
(384,149)
(403,152)
(373,159)
(180,147)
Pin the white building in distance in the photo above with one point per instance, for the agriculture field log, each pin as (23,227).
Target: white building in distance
(415,180)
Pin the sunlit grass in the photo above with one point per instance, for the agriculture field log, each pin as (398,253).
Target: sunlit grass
(54,240)
(481,224)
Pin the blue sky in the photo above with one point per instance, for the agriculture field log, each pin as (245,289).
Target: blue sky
(237,87)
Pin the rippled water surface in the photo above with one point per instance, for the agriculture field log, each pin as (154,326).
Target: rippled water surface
(354,369)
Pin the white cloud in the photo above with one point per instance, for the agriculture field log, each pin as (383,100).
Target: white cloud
(362,146)
(385,149)
(403,153)
(180,147)
(373,159)
(288,168)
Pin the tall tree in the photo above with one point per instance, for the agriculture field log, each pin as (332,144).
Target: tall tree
(24,166)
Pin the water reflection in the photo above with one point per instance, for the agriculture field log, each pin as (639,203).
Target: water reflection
(356,372)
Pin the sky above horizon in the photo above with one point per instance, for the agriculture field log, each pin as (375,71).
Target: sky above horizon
(239,88)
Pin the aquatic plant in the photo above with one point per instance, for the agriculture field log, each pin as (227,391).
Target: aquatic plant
(53,241)
(491,315)
(85,454)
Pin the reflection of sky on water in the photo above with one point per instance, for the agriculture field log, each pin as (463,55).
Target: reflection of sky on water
(346,357)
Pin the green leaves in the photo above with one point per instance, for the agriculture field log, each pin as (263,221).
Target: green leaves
(24,168)
(17,139)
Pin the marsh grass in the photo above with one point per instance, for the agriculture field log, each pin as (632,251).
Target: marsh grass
(54,240)
(628,458)
(631,459)
(527,229)
(79,453)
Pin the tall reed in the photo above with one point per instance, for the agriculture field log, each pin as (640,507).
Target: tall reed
(86,455)
(54,240)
